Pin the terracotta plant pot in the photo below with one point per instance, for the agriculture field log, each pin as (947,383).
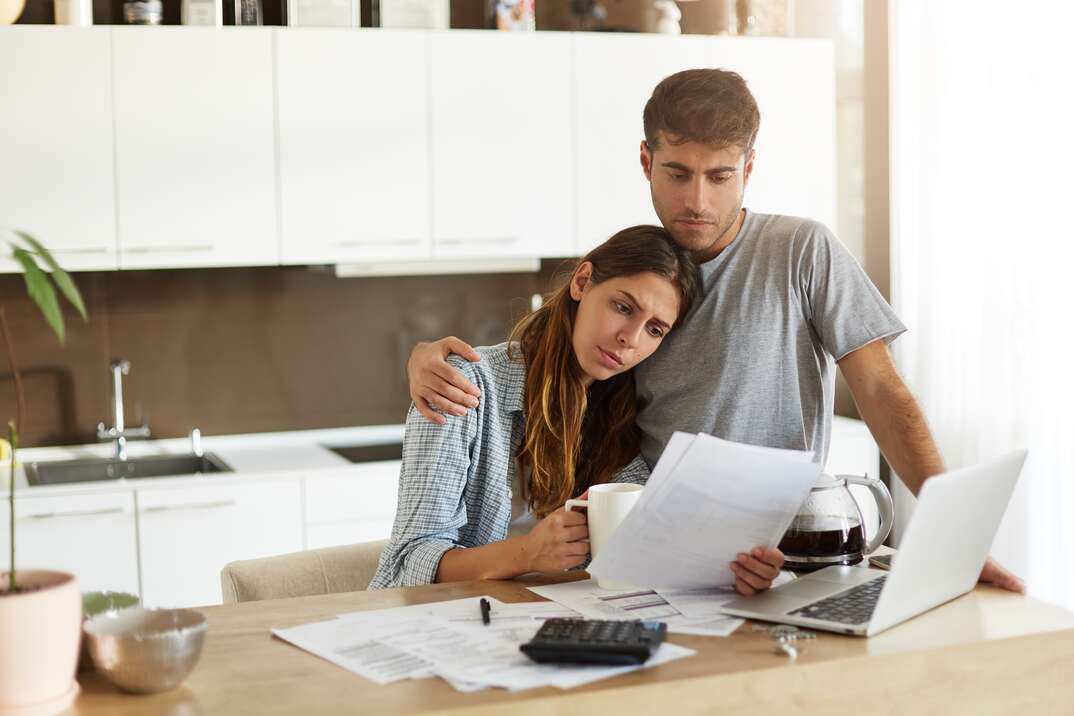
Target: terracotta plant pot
(39,632)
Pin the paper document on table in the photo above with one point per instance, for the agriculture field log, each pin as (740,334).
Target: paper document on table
(353,646)
(369,643)
(450,640)
(704,617)
(489,654)
(713,500)
(454,609)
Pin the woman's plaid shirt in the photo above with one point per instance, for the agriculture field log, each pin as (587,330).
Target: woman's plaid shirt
(455,481)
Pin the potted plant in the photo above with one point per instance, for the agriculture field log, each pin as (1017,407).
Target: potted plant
(40,611)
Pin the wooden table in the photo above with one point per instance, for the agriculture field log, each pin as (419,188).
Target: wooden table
(987,652)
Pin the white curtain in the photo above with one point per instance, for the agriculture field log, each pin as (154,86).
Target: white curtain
(982,210)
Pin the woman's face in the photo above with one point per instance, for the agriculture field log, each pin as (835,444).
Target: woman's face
(621,321)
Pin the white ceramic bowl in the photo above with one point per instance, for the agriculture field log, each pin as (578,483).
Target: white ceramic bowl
(145,650)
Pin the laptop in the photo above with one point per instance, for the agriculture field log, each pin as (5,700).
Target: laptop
(940,558)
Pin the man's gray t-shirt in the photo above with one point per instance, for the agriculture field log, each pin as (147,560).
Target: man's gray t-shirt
(754,360)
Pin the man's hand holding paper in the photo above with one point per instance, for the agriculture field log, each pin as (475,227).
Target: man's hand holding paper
(708,502)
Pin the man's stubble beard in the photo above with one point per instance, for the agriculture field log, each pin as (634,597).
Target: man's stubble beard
(703,245)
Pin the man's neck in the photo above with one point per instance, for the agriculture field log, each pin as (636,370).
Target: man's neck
(723,242)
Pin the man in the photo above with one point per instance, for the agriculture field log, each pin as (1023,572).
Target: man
(783,302)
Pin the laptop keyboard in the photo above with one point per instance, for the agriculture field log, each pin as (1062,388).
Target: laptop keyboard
(854,606)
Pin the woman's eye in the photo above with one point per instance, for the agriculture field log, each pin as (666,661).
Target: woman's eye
(622,308)
(655,332)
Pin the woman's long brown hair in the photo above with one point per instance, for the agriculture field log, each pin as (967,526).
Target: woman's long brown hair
(576,437)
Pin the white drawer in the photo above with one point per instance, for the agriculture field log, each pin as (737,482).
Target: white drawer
(368,493)
(92,536)
(188,534)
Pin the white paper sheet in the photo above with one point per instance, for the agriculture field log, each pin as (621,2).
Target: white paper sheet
(452,610)
(587,598)
(490,654)
(699,603)
(716,500)
(449,639)
(355,647)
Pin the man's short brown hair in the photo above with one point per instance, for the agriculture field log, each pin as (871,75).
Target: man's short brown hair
(713,107)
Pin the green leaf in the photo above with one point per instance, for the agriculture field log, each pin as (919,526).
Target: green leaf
(61,277)
(41,291)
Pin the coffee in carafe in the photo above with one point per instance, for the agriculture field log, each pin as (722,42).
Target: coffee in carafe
(821,542)
(828,529)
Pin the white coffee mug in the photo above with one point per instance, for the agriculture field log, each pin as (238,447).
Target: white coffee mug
(607,506)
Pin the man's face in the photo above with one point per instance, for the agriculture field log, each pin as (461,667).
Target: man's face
(697,192)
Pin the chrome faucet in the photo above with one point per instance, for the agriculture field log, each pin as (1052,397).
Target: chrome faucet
(119,432)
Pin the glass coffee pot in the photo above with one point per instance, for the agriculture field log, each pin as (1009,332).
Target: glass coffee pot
(829,527)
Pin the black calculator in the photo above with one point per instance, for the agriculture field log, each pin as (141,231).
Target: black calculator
(594,641)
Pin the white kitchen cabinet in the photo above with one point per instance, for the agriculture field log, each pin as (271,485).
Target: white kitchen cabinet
(56,179)
(353,116)
(351,508)
(188,533)
(502,142)
(195,147)
(793,81)
(91,536)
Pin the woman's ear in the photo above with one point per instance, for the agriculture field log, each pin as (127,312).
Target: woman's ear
(581,279)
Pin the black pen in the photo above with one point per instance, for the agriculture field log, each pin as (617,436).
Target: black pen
(485,607)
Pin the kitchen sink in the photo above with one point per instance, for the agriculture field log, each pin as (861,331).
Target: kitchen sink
(92,470)
(369,453)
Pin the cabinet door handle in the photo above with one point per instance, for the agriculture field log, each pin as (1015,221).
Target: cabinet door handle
(194,506)
(165,249)
(359,243)
(73,513)
(82,250)
(493,240)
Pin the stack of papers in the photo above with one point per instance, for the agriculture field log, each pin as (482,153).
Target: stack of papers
(449,640)
(707,500)
(685,612)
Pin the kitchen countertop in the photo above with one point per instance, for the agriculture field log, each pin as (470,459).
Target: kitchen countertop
(256,453)
(263,454)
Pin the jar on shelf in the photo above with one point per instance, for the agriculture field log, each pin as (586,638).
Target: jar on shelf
(73,12)
(143,12)
(765,17)
(512,15)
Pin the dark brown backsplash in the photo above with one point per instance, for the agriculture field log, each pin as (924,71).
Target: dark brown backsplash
(244,350)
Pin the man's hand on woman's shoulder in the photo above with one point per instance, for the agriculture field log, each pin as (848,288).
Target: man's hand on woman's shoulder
(435,385)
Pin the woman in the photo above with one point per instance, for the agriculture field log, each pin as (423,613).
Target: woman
(481,497)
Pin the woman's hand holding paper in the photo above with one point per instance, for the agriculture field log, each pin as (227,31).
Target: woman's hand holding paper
(754,572)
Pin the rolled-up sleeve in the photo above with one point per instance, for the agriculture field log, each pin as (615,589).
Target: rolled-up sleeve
(431,511)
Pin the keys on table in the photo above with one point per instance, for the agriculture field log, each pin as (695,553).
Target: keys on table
(788,638)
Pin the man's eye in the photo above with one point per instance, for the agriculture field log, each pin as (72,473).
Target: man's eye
(720,179)
(678,177)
